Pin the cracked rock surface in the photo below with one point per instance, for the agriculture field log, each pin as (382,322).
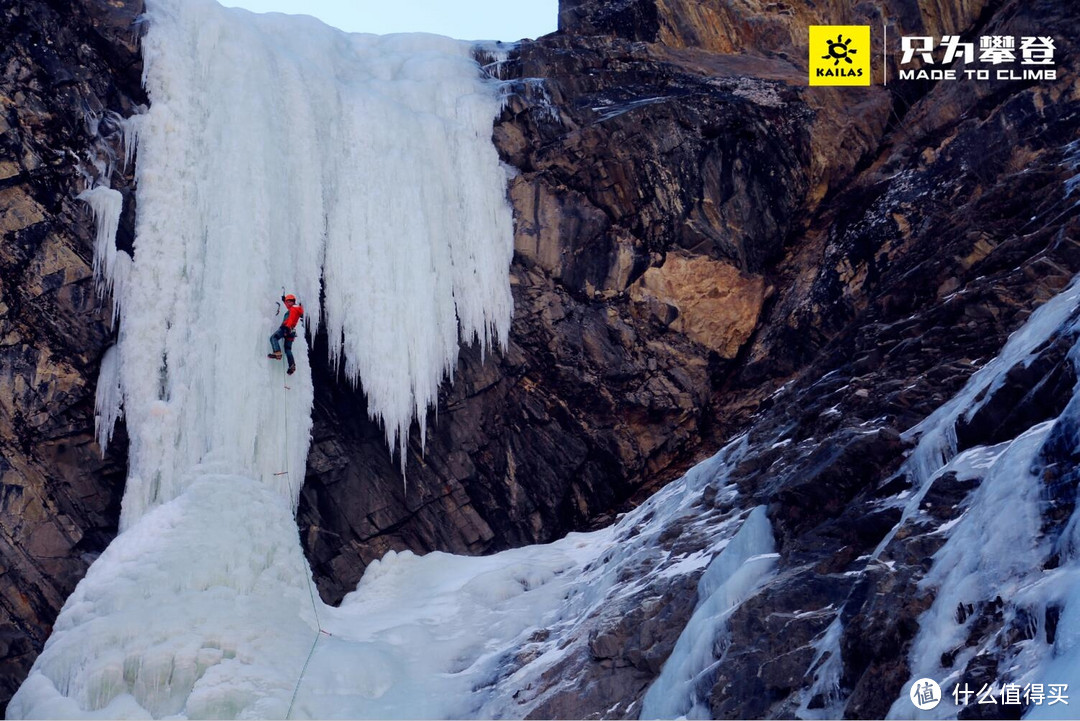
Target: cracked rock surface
(69,70)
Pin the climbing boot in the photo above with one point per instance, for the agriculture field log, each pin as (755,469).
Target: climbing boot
(292,369)
(276,355)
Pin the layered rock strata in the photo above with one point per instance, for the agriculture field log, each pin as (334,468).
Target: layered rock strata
(70,73)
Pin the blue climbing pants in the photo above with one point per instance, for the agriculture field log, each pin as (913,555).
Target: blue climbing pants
(289,335)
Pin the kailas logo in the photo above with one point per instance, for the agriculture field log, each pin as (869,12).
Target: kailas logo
(840,50)
(839,54)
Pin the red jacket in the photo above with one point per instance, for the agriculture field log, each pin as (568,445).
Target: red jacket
(293,316)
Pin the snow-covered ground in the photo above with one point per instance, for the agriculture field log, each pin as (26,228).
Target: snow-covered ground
(204,609)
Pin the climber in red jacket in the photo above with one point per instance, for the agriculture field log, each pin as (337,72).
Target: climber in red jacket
(293,313)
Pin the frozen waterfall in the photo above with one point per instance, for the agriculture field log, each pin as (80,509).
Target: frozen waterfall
(355,171)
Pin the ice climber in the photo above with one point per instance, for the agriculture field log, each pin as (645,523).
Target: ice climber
(293,313)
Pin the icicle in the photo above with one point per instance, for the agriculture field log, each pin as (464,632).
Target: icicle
(111,266)
(106,204)
(828,669)
(108,398)
(131,127)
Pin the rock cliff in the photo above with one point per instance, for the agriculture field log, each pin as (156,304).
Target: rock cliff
(646,176)
(897,282)
(70,71)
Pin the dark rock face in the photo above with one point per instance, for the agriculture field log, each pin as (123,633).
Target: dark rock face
(66,67)
(901,282)
(634,20)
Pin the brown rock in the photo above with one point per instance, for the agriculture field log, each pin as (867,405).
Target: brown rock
(60,495)
(756,26)
(717,305)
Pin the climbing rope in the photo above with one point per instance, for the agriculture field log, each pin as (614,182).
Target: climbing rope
(296,689)
(320,631)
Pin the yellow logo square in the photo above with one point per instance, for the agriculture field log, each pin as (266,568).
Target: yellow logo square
(839,54)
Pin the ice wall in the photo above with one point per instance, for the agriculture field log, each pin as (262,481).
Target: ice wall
(352,169)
